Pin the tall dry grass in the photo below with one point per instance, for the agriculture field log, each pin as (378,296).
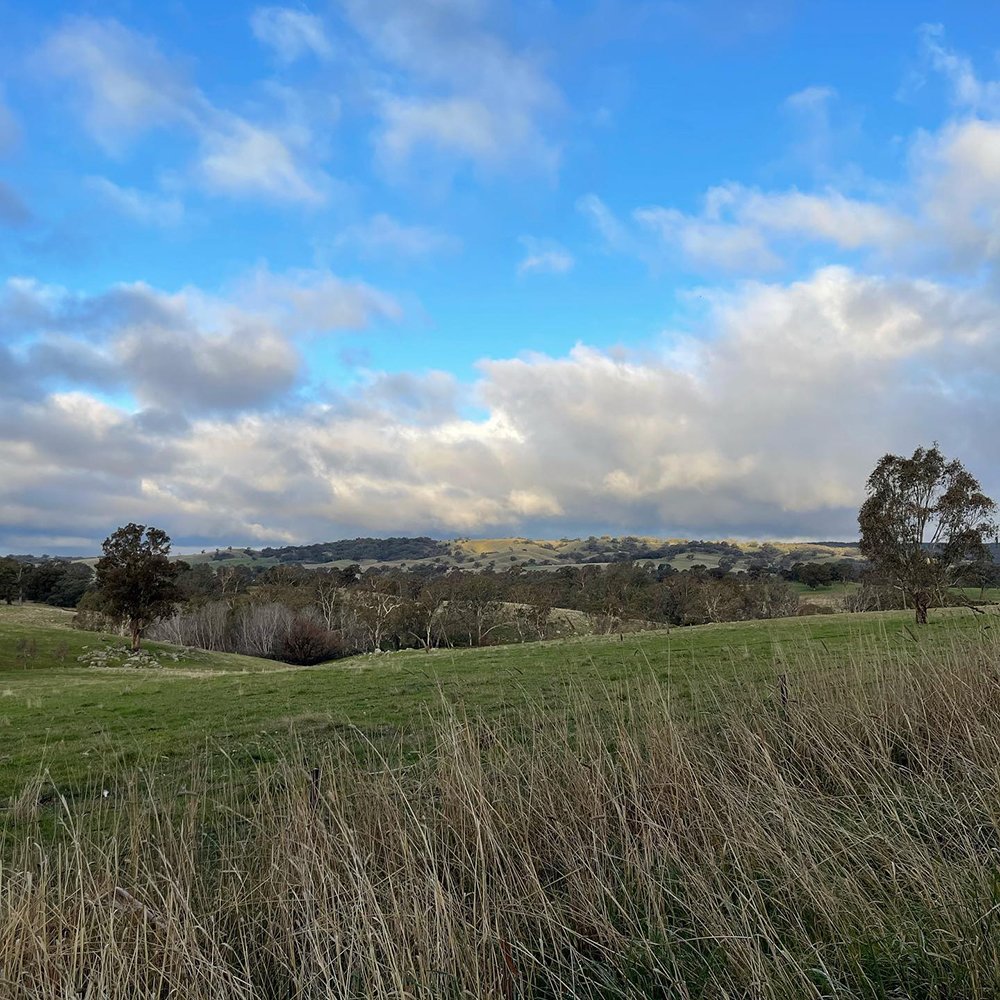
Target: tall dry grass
(841,842)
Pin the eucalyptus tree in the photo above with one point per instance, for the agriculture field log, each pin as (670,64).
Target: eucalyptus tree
(924,521)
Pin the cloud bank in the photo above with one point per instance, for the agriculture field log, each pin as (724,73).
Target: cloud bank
(766,425)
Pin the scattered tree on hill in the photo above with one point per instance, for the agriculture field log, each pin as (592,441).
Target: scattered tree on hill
(136,581)
(925,520)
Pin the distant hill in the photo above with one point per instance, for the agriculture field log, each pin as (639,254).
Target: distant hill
(360,550)
(501,553)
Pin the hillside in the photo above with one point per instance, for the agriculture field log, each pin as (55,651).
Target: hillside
(500,553)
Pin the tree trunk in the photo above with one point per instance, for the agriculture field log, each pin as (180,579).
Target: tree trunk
(921,603)
(136,638)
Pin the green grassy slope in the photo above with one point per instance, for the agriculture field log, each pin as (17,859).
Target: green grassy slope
(81,721)
(38,637)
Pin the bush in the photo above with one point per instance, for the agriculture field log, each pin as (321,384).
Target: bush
(307,642)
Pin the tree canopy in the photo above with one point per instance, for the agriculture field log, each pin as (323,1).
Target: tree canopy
(136,581)
(924,521)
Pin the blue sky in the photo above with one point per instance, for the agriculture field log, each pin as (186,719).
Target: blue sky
(277,273)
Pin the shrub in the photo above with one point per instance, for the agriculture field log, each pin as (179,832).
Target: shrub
(307,642)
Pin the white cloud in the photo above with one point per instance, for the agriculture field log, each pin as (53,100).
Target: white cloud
(811,99)
(544,257)
(291,33)
(708,242)
(765,421)
(944,211)
(958,185)
(830,216)
(743,229)
(141,206)
(125,87)
(123,83)
(312,301)
(240,158)
(186,351)
(382,236)
(817,140)
(612,231)
(968,91)
(456,86)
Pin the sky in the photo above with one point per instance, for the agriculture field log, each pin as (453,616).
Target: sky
(285,273)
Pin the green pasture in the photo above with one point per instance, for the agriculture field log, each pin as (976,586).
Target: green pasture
(78,723)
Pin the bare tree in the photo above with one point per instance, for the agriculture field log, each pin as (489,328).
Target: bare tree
(375,606)
(328,598)
(423,617)
(261,627)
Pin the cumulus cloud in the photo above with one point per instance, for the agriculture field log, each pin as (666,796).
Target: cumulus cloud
(186,351)
(544,257)
(291,33)
(457,86)
(712,241)
(312,301)
(243,159)
(958,172)
(382,236)
(747,230)
(763,421)
(123,84)
(945,211)
(125,87)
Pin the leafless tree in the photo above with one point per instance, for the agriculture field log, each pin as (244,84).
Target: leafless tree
(261,627)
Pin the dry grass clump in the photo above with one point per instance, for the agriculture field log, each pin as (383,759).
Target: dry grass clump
(842,841)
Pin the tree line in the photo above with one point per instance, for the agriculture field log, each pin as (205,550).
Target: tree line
(59,582)
(925,525)
(305,616)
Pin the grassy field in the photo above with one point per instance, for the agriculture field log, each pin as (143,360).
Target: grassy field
(78,721)
(586,818)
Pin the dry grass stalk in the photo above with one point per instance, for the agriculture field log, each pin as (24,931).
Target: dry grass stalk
(840,842)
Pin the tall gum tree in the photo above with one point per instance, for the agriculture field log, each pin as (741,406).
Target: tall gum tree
(924,520)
